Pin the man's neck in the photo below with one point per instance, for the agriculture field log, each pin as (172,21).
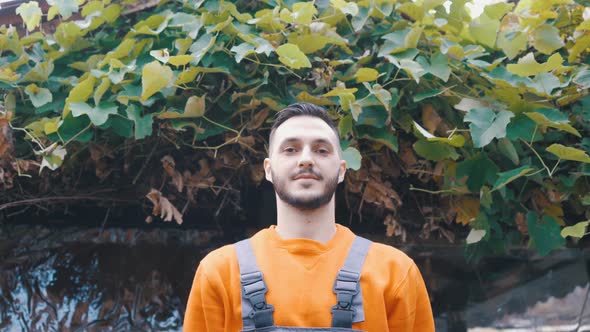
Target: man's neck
(318,224)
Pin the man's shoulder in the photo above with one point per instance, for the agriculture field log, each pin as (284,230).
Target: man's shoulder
(389,257)
(219,259)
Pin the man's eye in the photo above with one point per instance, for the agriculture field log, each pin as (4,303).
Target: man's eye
(289,149)
(323,151)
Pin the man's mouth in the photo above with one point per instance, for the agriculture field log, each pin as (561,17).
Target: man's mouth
(306,176)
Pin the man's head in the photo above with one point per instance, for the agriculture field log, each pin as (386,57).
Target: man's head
(305,159)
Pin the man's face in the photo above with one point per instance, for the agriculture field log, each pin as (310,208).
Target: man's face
(304,162)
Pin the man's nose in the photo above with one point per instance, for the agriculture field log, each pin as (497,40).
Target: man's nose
(306,159)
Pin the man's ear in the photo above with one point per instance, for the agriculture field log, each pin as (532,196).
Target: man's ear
(267,170)
(342,171)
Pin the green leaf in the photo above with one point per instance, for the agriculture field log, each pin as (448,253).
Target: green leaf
(97,115)
(53,157)
(143,124)
(180,60)
(546,39)
(65,7)
(73,128)
(366,75)
(104,85)
(303,12)
(512,43)
(426,94)
(291,56)
(484,29)
(497,10)
(30,13)
(455,140)
(201,46)
(528,66)
(80,93)
(412,11)
(578,230)
(435,150)
(485,197)
(543,84)
(582,78)
(380,135)
(545,234)
(506,147)
(505,178)
(120,125)
(439,66)
(359,20)
(39,96)
(194,108)
(161,55)
(40,73)
(475,235)
(549,117)
(154,77)
(347,8)
(353,158)
(480,170)
(345,125)
(189,23)
(486,125)
(243,50)
(523,127)
(568,153)
(580,45)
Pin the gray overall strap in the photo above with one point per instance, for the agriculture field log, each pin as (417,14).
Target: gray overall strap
(349,306)
(256,313)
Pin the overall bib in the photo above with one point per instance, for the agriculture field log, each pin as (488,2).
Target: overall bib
(257,315)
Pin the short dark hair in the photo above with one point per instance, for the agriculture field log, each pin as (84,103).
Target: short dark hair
(302,109)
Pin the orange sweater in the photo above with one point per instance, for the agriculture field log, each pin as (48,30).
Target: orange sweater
(300,276)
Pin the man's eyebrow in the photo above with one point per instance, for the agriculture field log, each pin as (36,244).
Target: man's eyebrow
(315,141)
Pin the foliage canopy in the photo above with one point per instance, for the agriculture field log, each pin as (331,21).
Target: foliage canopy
(488,114)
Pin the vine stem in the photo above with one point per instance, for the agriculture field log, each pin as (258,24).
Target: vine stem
(434,192)
(220,125)
(549,172)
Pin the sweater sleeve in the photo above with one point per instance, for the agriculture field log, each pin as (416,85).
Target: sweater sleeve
(408,305)
(205,307)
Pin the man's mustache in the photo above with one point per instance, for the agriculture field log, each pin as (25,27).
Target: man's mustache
(309,172)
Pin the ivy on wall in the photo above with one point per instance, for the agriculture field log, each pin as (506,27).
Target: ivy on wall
(490,114)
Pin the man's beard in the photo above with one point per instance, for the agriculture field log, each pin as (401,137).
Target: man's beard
(307,203)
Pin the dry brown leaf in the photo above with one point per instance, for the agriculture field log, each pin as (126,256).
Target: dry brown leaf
(354,180)
(394,228)
(258,119)
(25,165)
(467,210)
(382,194)
(163,207)
(6,143)
(247,141)
(430,118)
(407,155)
(102,169)
(554,196)
(556,212)
(389,167)
(257,173)
(98,151)
(541,201)
(448,234)
(169,165)
(6,179)
(521,224)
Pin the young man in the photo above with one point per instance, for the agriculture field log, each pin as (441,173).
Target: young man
(307,271)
